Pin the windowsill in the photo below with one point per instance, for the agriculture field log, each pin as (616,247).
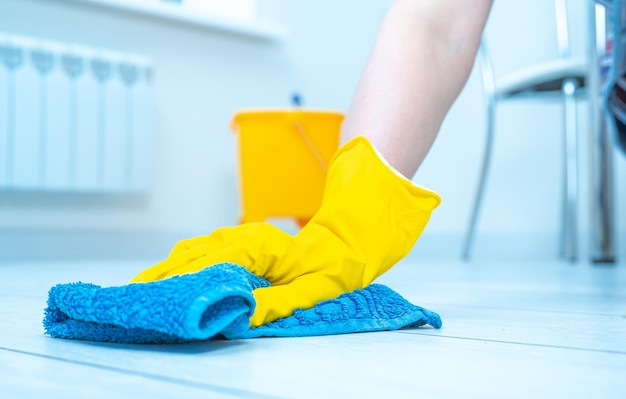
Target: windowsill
(258,30)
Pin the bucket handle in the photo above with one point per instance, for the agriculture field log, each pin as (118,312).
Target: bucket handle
(307,140)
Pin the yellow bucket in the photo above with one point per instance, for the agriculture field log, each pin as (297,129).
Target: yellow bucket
(283,157)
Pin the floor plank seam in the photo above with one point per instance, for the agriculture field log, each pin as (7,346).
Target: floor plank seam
(158,377)
(440,305)
(614,352)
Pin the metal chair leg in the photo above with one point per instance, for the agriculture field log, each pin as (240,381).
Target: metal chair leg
(490,104)
(570,219)
(602,223)
(563,225)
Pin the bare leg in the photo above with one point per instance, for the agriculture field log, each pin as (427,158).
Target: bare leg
(422,58)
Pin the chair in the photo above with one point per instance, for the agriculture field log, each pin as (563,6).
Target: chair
(564,78)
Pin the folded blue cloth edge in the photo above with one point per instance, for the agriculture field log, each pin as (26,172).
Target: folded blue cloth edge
(233,326)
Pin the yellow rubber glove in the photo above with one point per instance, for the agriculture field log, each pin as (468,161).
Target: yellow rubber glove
(369,219)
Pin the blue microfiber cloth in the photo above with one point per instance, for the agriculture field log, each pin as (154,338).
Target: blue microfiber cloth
(215,302)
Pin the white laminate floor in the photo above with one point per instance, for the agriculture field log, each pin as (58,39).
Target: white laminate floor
(510,329)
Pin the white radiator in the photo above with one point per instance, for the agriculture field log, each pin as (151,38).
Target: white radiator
(74,118)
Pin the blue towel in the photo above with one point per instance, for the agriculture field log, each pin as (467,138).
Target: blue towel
(215,302)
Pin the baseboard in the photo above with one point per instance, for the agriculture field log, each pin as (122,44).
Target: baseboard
(503,246)
(39,245)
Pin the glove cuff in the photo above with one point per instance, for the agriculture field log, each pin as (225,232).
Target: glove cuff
(413,188)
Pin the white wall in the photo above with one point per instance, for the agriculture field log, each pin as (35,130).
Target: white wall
(203,76)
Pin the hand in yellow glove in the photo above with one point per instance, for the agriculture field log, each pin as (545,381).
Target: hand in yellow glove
(369,219)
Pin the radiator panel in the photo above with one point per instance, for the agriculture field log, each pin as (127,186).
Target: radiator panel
(74,118)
